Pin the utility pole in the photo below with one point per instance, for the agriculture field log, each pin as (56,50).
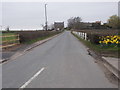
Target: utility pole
(46,17)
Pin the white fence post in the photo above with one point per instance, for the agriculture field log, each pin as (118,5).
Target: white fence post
(85,36)
(81,34)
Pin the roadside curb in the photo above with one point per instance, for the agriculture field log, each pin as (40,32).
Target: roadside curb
(28,49)
(109,66)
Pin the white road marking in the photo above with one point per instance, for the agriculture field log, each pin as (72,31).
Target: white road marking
(31,79)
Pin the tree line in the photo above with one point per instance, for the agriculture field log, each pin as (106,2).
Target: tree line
(112,23)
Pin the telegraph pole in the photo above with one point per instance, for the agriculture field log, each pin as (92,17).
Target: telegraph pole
(46,17)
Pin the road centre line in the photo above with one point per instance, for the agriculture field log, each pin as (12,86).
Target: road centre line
(31,79)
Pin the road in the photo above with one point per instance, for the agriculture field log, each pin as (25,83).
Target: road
(62,62)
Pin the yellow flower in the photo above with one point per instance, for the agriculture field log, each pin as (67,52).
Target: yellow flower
(117,42)
(100,41)
(111,41)
(108,40)
(114,40)
(115,36)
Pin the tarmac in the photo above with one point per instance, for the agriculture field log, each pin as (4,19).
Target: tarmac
(111,63)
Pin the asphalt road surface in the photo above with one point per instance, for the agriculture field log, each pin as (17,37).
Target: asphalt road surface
(62,62)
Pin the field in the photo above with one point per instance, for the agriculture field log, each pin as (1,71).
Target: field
(9,39)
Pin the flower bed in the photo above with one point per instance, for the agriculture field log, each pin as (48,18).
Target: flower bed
(113,40)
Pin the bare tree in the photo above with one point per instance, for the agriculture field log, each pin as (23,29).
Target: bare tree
(74,23)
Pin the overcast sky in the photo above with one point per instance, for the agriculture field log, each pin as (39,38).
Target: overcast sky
(30,15)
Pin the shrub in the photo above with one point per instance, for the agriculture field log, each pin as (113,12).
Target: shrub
(31,35)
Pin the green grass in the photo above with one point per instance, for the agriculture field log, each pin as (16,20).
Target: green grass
(8,38)
(110,51)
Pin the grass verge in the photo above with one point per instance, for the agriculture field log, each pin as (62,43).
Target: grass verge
(108,52)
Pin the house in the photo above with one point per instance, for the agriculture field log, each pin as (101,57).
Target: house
(58,25)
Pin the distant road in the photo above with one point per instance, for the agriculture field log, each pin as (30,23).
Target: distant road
(62,62)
